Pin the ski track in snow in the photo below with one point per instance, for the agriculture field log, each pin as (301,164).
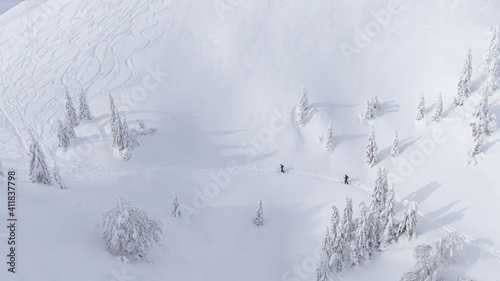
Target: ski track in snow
(89,60)
(482,246)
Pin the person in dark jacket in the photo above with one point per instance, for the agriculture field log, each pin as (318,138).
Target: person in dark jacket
(346,179)
(282,168)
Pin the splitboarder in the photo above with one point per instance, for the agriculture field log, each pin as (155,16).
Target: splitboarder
(282,168)
(346,179)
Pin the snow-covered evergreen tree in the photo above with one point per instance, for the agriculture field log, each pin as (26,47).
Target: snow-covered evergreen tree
(369,111)
(376,103)
(337,239)
(122,140)
(373,232)
(483,126)
(334,221)
(322,268)
(39,171)
(421,108)
(303,108)
(372,105)
(490,84)
(71,117)
(128,231)
(62,135)
(327,244)
(329,137)
(347,222)
(438,114)
(125,146)
(259,216)
(354,259)
(57,177)
(337,262)
(114,115)
(390,231)
(379,193)
(84,109)
(395,145)
(65,133)
(492,52)
(361,240)
(409,224)
(464,84)
(371,149)
(176,212)
(431,260)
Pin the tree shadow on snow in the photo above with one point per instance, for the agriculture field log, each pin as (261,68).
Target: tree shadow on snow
(405,144)
(489,145)
(432,224)
(388,107)
(423,193)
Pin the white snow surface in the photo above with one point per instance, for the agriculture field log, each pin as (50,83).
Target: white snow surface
(220,80)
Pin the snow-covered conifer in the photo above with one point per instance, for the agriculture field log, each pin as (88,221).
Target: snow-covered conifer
(492,52)
(390,233)
(71,117)
(490,84)
(64,133)
(329,137)
(379,193)
(354,255)
(395,146)
(409,224)
(176,212)
(347,223)
(421,108)
(62,136)
(327,244)
(128,231)
(464,85)
(125,147)
(376,103)
(438,114)
(432,260)
(303,108)
(337,239)
(369,111)
(39,171)
(84,109)
(259,216)
(371,150)
(335,220)
(322,268)
(114,116)
(361,240)
(57,177)
(373,232)
(483,126)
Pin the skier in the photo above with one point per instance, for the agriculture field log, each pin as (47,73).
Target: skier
(346,178)
(282,167)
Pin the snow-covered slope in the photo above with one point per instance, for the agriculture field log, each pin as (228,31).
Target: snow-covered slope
(220,80)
